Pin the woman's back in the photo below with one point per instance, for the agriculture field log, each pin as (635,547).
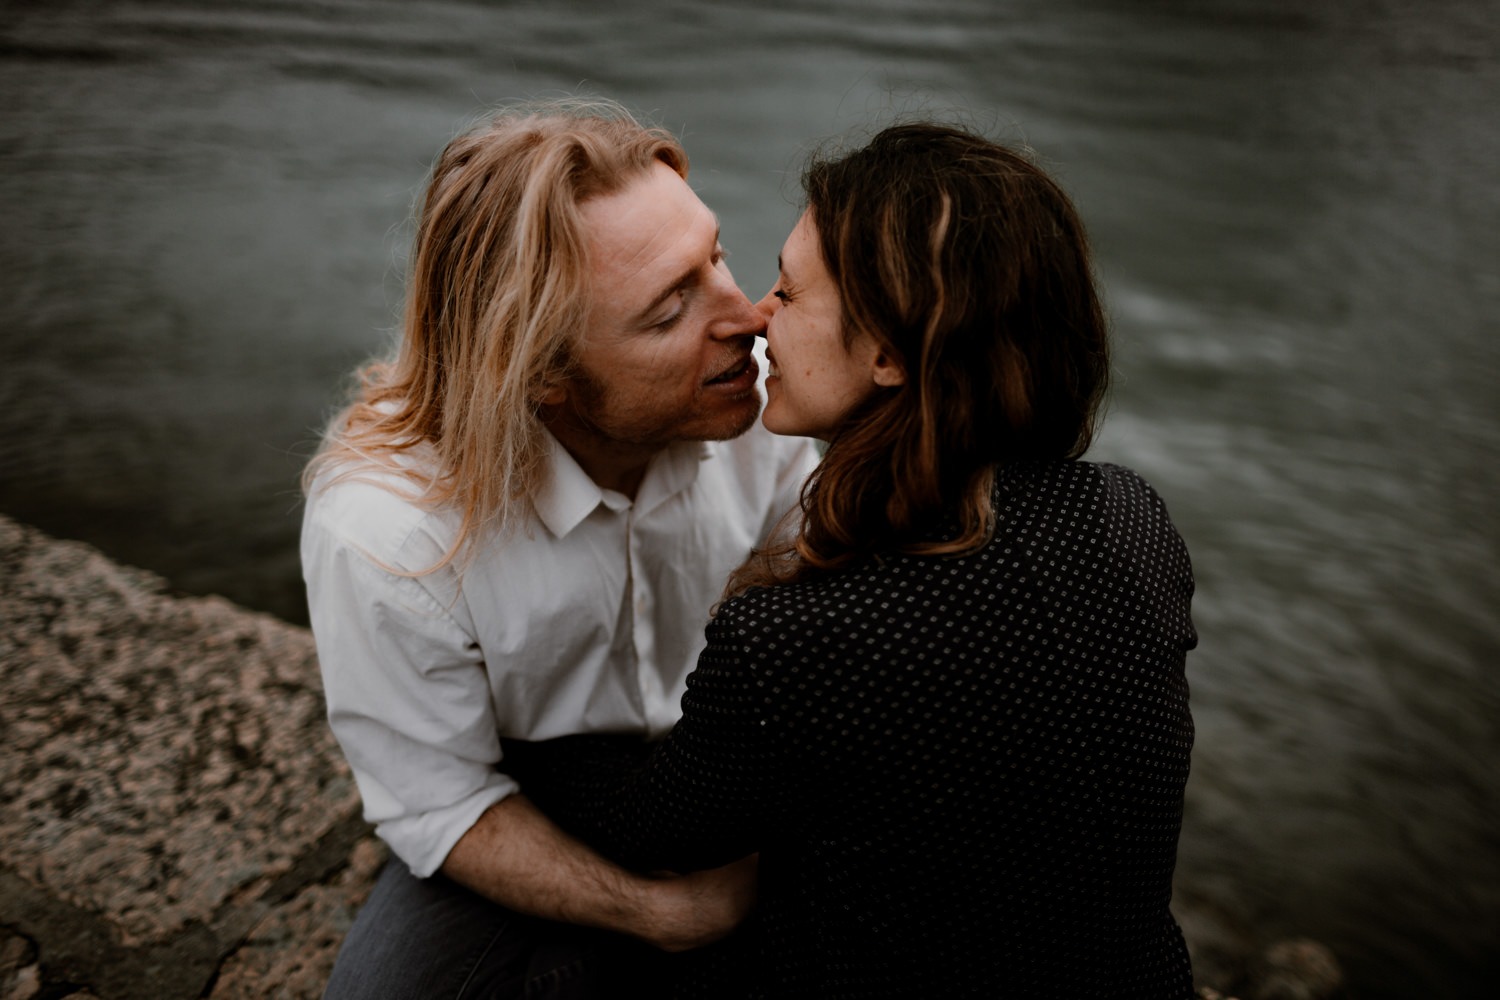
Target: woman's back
(978,762)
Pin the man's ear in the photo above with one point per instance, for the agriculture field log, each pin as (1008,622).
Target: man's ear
(886,372)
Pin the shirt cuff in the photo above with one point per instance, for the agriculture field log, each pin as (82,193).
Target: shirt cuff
(424,840)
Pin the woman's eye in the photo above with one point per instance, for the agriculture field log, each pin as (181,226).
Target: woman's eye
(783,296)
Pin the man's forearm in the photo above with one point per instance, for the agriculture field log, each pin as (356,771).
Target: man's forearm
(520,859)
(517,857)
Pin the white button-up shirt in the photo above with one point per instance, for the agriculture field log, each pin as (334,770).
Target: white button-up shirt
(588,619)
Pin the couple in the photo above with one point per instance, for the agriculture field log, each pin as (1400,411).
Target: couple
(937,740)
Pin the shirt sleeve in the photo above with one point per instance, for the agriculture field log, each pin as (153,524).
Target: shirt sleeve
(407,690)
(702,798)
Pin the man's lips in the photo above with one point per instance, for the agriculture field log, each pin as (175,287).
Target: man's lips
(743,367)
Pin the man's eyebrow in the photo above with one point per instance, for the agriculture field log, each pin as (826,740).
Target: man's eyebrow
(683,279)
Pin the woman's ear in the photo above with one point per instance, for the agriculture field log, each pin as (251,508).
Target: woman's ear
(552,395)
(886,371)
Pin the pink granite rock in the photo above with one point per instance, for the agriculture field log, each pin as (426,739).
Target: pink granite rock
(1295,969)
(167,777)
(289,954)
(20,975)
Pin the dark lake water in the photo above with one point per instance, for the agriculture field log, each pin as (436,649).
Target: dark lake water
(1297,214)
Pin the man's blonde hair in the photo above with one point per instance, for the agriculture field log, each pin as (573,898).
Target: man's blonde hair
(497,300)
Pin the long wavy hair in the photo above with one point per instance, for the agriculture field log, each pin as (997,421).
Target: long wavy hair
(497,299)
(969,266)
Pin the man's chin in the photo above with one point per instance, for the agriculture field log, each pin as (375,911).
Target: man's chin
(748,422)
(728,426)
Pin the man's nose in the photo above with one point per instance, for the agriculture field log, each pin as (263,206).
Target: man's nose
(741,318)
(768,304)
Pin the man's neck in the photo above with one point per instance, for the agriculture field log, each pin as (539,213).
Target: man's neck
(612,465)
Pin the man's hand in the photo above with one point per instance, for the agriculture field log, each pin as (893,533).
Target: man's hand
(690,911)
(520,859)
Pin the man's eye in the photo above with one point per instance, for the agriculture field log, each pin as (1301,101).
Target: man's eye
(670,321)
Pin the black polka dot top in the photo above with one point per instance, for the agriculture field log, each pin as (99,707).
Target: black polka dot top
(964,775)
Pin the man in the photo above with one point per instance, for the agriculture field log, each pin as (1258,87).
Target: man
(517,529)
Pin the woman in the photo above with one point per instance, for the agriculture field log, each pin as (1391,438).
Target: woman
(950,713)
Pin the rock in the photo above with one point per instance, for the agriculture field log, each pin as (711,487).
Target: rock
(20,976)
(1228,955)
(289,954)
(1296,969)
(1219,942)
(169,785)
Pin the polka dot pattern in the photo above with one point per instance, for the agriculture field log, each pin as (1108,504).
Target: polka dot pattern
(964,774)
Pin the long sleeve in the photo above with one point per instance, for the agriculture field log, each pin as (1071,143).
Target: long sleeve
(408,696)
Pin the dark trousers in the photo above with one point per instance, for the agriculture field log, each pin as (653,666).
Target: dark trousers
(432,939)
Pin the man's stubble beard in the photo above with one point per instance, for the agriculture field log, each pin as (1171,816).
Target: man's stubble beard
(589,412)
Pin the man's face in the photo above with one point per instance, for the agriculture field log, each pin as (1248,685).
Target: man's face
(666,356)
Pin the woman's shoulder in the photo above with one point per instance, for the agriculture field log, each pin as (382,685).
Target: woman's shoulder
(812,612)
(769,605)
(1038,504)
(1091,491)
(1067,475)
(1079,514)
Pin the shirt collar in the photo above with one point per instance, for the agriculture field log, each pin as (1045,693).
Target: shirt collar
(568,495)
(673,470)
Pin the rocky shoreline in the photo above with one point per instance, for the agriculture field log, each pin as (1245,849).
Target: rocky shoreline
(179,824)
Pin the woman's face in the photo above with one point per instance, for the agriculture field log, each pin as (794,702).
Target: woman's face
(814,381)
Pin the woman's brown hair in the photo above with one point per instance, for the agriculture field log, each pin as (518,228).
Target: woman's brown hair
(969,266)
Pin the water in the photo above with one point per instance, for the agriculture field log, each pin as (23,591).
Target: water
(1296,213)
